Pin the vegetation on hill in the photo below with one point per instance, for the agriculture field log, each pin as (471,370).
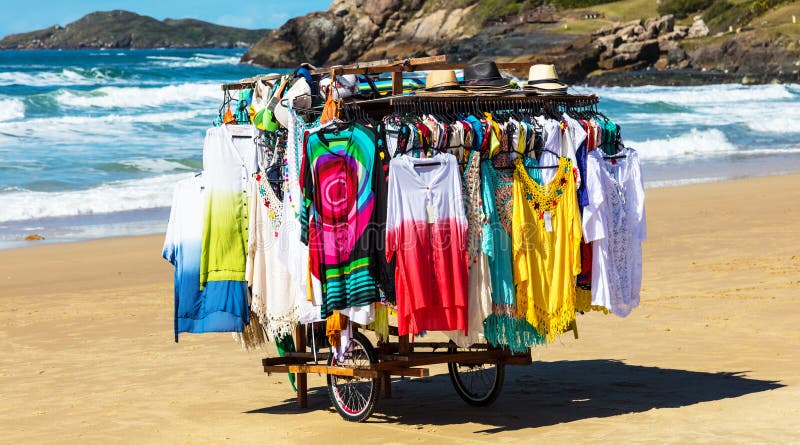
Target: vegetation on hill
(723,14)
(123,29)
(683,8)
(489,10)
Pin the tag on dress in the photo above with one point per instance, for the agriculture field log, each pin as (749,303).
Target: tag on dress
(431,214)
(548,221)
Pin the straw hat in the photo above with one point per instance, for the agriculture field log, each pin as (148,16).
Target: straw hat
(300,90)
(442,82)
(543,79)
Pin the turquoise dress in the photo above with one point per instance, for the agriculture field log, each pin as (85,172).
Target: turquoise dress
(502,327)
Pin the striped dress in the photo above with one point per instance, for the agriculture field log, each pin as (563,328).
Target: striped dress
(338,187)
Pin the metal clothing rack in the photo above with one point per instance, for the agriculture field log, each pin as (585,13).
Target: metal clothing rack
(402,358)
(471,103)
(395,67)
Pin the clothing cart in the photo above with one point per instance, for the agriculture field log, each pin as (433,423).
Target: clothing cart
(354,383)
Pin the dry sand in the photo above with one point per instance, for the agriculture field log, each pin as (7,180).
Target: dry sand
(712,354)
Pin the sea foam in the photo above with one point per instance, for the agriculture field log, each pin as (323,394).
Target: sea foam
(106,198)
(11,109)
(92,129)
(137,97)
(787,122)
(695,143)
(65,76)
(154,165)
(707,94)
(196,61)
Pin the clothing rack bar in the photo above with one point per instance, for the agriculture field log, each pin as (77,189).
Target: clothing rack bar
(515,98)
(482,99)
(387,105)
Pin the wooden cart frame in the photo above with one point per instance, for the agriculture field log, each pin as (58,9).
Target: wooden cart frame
(402,358)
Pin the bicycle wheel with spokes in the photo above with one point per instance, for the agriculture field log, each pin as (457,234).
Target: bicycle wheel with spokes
(478,384)
(354,397)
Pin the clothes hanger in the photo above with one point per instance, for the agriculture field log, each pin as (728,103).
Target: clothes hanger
(426,164)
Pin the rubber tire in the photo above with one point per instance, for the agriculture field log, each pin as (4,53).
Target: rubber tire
(373,396)
(452,369)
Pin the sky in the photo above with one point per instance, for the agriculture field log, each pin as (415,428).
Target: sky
(26,15)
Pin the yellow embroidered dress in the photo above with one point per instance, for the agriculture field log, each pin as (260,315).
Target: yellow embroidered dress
(546,235)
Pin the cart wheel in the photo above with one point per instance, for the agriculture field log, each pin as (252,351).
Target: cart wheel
(477,384)
(354,397)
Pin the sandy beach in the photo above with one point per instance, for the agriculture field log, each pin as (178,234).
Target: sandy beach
(712,354)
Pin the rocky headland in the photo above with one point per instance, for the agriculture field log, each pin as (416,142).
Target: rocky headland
(596,45)
(123,29)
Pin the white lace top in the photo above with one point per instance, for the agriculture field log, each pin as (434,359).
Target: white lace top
(274,297)
(614,222)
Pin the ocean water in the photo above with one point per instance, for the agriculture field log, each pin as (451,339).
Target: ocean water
(92,142)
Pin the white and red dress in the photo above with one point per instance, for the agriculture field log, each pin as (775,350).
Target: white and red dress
(426,228)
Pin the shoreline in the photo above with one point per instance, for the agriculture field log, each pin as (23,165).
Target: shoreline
(91,359)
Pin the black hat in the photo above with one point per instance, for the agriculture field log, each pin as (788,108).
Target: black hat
(483,74)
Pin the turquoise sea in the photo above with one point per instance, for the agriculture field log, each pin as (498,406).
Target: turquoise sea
(92,142)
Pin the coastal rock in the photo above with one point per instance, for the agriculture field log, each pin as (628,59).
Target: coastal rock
(608,42)
(34,237)
(676,57)
(651,32)
(365,30)
(380,10)
(647,51)
(627,33)
(665,45)
(661,24)
(674,35)
(634,45)
(607,30)
(637,22)
(748,53)
(353,30)
(661,64)
(322,33)
(616,61)
(698,29)
(424,29)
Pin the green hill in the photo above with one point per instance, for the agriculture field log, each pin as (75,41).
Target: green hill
(123,29)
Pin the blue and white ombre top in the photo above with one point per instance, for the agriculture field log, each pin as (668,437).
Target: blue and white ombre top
(195,311)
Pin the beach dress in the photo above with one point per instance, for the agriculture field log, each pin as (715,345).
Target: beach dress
(426,230)
(273,297)
(503,327)
(339,202)
(228,163)
(182,245)
(292,252)
(546,235)
(614,223)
